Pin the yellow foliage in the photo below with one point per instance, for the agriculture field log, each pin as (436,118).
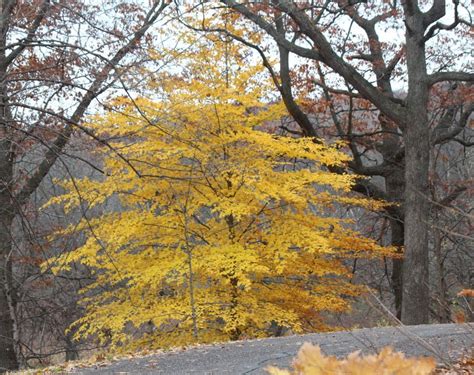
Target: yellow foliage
(466,293)
(223,228)
(311,361)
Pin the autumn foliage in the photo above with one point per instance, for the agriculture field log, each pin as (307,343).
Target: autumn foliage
(224,228)
(311,361)
(224,146)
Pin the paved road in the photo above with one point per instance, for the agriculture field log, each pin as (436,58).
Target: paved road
(442,341)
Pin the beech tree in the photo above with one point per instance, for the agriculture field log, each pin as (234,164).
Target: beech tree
(225,228)
(56,58)
(344,39)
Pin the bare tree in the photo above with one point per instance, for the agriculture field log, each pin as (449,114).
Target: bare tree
(368,67)
(56,59)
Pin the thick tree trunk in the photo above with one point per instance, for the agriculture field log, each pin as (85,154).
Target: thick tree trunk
(415,309)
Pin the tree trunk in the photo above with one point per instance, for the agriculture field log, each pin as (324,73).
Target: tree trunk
(397,229)
(394,184)
(415,309)
(441,295)
(8,360)
(71,351)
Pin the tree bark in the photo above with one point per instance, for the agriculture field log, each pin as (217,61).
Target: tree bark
(8,358)
(395,189)
(441,295)
(416,298)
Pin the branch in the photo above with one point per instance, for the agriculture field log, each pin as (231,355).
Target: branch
(450,76)
(462,142)
(451,133)
(29,37)
(288,130)
(439,25)
(325,53)
(265,61)
(363,56)
(393,63)
(77,125)
(8,6)
(375,170)
(61,141)
(451,197)
(350,94)
(337,91)
(270,30)
(284,87)
(286,92)
(436,12)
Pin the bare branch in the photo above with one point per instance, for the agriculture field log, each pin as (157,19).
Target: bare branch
(324,53)
(451,197)
(445,133)
(29,37)
(436,12)
(450,76)
(61,141)
(393,63)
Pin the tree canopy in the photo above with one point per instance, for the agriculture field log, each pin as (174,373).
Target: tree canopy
(224,228)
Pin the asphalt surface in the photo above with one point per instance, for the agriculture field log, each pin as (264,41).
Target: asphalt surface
(445,342)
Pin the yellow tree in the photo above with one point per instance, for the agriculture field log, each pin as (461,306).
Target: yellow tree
(224,228)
